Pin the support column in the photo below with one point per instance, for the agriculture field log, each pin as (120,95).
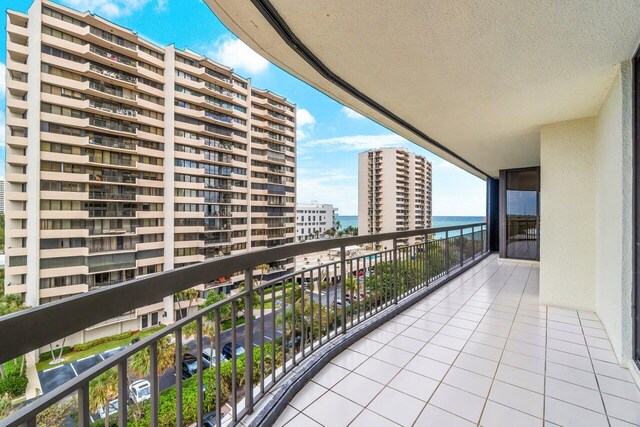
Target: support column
(493,212)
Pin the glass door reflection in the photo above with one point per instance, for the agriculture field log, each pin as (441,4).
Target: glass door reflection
(523,214)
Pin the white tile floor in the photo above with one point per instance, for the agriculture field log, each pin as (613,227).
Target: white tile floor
(479,351)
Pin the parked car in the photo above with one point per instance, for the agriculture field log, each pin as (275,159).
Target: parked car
(190,365)
(209,355)
(140,391)
(113,409)
(227,350)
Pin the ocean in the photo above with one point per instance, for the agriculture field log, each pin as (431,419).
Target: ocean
(438,221)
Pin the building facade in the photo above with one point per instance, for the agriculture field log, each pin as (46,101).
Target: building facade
(313,220)
(2,196)
(125,159)
(394,191)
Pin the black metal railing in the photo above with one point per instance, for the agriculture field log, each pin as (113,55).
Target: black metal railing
(245,344)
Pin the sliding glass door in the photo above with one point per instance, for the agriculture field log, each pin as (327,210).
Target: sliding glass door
(521,213)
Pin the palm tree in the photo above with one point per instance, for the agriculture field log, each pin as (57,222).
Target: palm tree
(262,268)
(330,232)
(337,224)
(102,390)
(140,362)
(190,295)
(210,325)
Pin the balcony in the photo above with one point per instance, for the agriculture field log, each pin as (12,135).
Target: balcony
(106,124)
(117,75)
(359,295)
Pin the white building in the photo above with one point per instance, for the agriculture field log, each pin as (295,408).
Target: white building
(313,219)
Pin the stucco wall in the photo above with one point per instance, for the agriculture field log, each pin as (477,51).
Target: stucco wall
(613,213)
(586,214)
(567,207)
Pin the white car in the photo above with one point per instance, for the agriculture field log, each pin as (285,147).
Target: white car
(113,409)
(140,391)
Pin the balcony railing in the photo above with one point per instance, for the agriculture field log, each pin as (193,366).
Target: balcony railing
(113,56)
(120,127)
(107,141)
(111,91)
(113,74)
(300,314)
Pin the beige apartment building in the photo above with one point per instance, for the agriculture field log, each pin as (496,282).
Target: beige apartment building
(125,159)
(394,191)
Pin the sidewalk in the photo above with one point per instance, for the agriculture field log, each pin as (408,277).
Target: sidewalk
(33,386)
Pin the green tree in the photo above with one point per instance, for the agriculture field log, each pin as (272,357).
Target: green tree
(102,390)
(209,325)
(140,363)
(330,232)
(5,405)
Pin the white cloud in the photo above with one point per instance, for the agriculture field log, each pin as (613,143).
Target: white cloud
(304,118)
(236,54)
(358,142)
(113,8)
(161,5)
(351,113)
(305,122)
(331,186)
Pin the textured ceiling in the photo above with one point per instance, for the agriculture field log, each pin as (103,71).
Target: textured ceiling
(478,77)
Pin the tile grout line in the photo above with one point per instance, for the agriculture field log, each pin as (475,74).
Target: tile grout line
(493,380)
(594,371)
(483,265)
(460,351)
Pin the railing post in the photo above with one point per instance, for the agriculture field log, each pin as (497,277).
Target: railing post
(123,393)
(395,271)
(473,243)
(83,406)
(446,251)
(343,290)
(461,246)
(248,339)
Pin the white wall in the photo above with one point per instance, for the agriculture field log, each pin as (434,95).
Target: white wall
(586,214)
(567,211)
(613,213)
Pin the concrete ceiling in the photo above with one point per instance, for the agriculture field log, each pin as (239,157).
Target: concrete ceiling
(478,77)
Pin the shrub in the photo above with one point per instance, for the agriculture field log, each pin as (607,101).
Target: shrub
(90,344)
(13,384)
(46,355)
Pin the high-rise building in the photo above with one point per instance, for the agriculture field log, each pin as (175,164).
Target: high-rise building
(313,220)
(394,191)
(2,196)
(125,158)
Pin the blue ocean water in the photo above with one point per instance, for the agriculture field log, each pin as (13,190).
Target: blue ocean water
(438,221)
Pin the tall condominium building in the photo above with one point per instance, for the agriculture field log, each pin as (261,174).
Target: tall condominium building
(125,159)
(394,191)
(313,219)
(2,196)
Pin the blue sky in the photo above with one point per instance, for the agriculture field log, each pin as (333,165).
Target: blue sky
(329,135)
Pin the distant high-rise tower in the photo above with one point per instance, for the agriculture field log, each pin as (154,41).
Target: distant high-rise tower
(394,191)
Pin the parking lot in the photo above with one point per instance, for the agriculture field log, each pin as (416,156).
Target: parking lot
(53,377)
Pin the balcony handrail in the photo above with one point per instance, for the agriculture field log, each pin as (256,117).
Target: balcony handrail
(96,306)
(85,310)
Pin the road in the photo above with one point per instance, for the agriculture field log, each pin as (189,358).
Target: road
(53,377)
